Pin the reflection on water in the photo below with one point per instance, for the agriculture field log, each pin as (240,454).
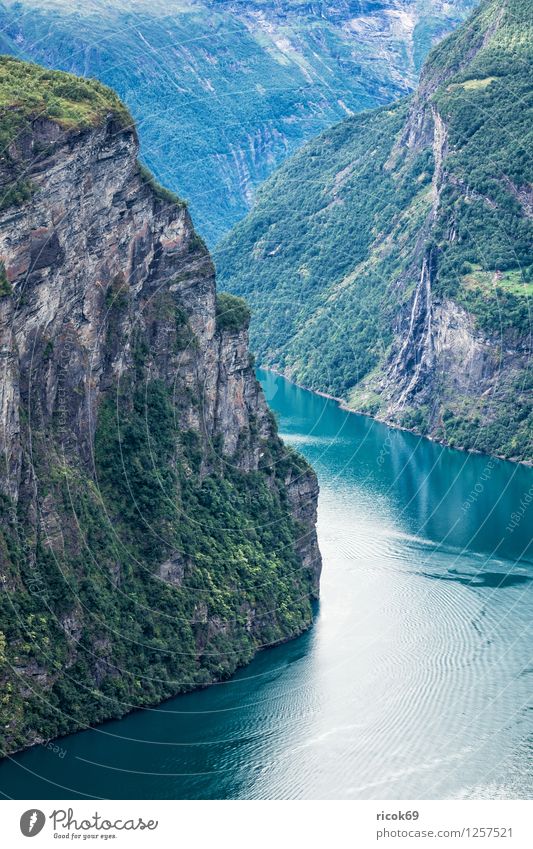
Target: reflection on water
(415,681)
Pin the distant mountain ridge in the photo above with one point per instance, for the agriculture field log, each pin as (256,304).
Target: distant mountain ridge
(390,261)
(223,91)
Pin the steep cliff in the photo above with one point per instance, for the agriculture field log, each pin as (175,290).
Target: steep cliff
(154,530)
(389,263)
(247,82)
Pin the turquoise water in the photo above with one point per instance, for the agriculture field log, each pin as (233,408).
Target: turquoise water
(415,681)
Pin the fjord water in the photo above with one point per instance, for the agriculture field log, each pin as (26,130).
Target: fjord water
(415,681)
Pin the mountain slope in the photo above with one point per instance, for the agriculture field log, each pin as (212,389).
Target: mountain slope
(223,91)
(154,532)
(389,262)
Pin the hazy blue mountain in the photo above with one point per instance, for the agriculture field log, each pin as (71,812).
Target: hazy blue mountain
(222,91)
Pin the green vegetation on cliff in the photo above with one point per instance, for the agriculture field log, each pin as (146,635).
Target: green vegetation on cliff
(96,627)
(333,255)
(240,584)
(29,92)
(487,107)
(232,312)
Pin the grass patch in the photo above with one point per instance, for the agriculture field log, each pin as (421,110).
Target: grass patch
(474,85)
(29,91)
(509,281)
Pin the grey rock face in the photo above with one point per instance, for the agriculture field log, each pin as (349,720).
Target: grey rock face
(302,491)
(111,289)
(95,237)
(440,360)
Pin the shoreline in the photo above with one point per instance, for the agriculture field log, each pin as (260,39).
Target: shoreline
(48,742)
(528,464)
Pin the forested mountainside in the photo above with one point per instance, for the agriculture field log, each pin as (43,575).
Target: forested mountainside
(389,263)
(223,90)
(154,531)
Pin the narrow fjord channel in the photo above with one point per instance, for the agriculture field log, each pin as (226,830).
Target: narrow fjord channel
(415,681)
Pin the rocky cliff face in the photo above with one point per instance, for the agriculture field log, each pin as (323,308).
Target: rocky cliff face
(445,368)
(457,368)
(155,532)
